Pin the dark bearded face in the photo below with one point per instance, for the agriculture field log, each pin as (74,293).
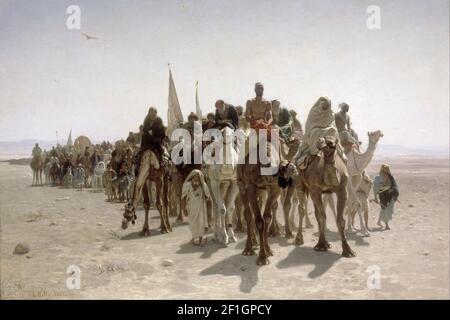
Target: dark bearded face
(259,90)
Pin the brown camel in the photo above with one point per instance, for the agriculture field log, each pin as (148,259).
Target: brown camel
(161,178)
(37,165)
(251,186)
(288,150)
(324,173)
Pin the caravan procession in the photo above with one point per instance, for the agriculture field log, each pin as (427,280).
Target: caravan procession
(230,171)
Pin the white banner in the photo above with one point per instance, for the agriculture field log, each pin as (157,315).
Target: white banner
(174,115)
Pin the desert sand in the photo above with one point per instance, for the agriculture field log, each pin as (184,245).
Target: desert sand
(65,227)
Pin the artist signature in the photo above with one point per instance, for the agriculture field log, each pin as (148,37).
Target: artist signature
(36,294)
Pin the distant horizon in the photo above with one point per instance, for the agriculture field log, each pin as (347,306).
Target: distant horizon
(124,138)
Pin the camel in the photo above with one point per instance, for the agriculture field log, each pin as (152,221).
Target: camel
(251,185)
(356,164)
(288,151)
(37,165)
(160,175)
(314,180)
(290,200)
(223,185)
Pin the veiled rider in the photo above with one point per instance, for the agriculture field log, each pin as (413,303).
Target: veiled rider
(319,124)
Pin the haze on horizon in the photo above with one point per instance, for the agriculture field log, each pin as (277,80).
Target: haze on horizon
(51,79)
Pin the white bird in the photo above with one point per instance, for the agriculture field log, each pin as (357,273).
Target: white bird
(88,37)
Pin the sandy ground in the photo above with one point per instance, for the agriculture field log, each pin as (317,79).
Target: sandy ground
(84,230)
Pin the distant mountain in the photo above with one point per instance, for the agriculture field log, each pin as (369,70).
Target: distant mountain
(21,149)
(399,150)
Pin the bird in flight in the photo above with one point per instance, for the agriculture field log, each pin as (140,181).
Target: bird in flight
(88,37)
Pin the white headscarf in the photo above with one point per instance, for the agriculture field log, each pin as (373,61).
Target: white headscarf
(319,118)
(203,184)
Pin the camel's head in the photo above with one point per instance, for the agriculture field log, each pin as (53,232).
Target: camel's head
(227,135)
(286,173)
(327,145)
(128,215)
(375,136)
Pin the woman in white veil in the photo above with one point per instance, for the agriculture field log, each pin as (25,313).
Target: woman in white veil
(195,194)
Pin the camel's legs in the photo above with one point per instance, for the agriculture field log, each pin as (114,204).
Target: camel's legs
(287,209)
(159,204)
(341,201)
(252,193)
(248,250)
(273,195)
(210,213)
(294,205)
(239,210)
(145,229)
(302,199)
(328,200)
(220,211)
(365,210)
(34,177)
(232,193)
(365,203)
(308,223)
(141,179)
(274,229)
(349,214)
(319,211)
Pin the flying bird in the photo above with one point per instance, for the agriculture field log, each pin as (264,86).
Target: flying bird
(88,37)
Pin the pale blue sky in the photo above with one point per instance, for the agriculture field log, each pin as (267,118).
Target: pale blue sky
(395,79)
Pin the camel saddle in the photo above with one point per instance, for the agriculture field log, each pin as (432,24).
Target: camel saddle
(163,158)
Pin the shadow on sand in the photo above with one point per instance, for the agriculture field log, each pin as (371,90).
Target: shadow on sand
(322,261)
(236,265)
(206,250)
(137,235)
(332,236)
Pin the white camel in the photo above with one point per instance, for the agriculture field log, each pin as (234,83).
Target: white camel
(222,174)
(357,162)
